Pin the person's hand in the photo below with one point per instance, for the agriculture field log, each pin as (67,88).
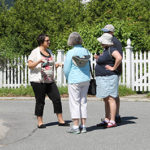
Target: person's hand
(59,65)
(109,68)
(41,60)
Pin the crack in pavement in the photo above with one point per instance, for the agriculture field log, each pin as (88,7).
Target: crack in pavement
(21,139)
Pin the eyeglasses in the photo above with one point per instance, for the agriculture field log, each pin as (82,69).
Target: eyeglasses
(47,40)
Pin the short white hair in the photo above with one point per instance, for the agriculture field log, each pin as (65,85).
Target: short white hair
(74,39)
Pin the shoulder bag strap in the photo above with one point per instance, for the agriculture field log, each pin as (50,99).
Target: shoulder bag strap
(110,53)
(91,70)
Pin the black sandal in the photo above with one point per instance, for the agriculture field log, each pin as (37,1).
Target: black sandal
(42,126)
(63,124)
(102,124)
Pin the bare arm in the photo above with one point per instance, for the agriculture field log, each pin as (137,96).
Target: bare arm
(118,59)
(32,64)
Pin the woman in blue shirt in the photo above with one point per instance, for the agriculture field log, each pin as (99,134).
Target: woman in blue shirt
(78,82)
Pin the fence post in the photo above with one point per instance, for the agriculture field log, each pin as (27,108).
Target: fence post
(1,69)
(60,74)
(1,80)
(129,64)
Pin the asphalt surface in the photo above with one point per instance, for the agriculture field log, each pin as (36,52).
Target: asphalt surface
(18,126)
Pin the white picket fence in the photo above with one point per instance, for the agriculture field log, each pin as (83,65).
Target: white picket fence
(135,75)
(136,69)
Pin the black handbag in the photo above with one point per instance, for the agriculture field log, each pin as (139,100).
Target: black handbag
(92,86)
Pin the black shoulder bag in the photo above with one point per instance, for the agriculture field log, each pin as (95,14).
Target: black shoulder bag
(92,86)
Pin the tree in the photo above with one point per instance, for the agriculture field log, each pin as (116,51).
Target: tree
(23,22)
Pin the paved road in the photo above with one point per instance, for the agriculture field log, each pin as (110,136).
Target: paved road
(18,127)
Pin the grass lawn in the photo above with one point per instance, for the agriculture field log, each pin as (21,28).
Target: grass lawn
(27,91)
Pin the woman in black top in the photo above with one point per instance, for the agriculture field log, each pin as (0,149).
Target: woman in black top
(107,78)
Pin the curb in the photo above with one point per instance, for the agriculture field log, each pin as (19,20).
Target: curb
(134,98)
(32,98)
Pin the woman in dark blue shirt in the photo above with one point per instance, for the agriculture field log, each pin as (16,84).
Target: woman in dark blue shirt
(107,78)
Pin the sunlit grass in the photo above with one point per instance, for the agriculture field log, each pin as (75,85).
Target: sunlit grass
(27,91)
(124,91)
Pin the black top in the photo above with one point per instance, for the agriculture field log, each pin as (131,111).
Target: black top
(117,44)
(105,59)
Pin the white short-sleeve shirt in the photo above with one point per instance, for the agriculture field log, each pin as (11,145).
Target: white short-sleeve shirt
(35,74)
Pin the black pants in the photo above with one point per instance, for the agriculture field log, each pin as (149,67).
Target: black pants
(40,91)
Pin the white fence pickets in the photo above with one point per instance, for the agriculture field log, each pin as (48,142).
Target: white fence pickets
(3,77)
(135,70)
(18,72)
(148,79)
(8,73)
(123,70)
(140,71)
(26,79)
(145,70)
(136,77)
(132,69)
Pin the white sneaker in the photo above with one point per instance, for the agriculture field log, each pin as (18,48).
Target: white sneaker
(83,130)
(75,131)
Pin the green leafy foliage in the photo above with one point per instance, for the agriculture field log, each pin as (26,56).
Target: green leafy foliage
(26,19)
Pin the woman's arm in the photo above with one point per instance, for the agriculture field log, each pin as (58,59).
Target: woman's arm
(67,64)
(118,59)
(32,64)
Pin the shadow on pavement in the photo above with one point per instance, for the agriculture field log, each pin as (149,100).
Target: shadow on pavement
(127,120)
(124,121)
(56,123)
(92,128)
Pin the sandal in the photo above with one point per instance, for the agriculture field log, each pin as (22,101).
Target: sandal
(42,126)
(102,124)
(63,124)
(110,125)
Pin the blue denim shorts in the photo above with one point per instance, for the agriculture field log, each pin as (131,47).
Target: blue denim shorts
(107,86)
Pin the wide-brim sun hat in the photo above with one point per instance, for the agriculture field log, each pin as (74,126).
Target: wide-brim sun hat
(108,28)
(106,39)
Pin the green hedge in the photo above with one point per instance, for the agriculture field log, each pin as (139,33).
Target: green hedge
(22,23)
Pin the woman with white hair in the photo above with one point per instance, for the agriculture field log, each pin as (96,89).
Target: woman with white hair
(77,72)
(107,78)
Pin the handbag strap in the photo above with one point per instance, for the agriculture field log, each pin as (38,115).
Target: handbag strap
(110,54)
(92,74)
